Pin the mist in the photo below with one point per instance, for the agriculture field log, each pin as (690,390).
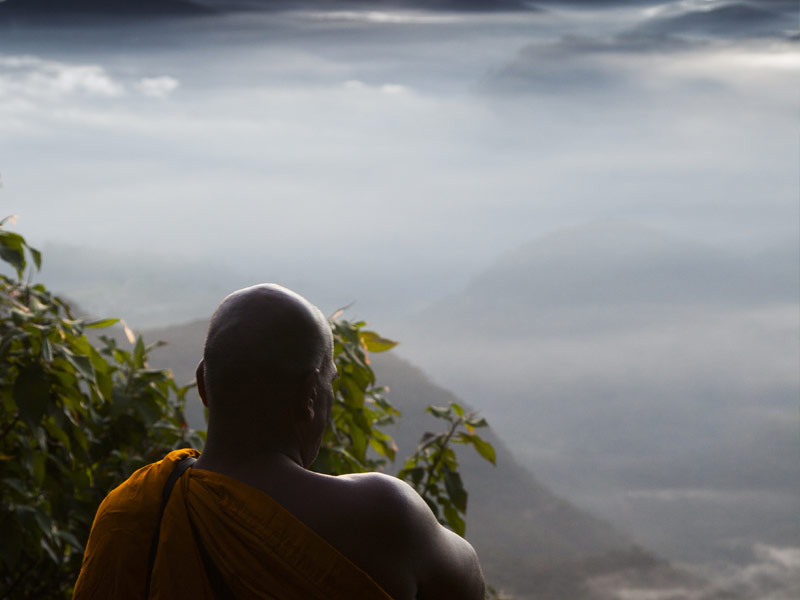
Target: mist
(424,165)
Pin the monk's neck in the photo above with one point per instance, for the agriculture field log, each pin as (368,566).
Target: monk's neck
(231,458)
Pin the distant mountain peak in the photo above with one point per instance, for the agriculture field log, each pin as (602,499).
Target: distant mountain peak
(615,265)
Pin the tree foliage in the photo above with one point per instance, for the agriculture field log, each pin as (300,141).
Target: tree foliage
(76,421)
(354,441)
(79,417)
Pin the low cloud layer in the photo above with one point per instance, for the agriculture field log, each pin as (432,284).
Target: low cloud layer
(770,574)
(38,80)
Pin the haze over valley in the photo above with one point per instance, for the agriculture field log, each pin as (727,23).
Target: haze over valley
(581,218)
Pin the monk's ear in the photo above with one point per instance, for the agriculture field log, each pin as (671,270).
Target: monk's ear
(200,376)
(308,396)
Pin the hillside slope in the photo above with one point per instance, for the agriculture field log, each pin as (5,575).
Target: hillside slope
(649,377)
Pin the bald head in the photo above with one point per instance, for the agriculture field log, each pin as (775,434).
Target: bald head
(261,338)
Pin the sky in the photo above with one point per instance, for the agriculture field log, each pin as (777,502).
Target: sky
(393,157)
(325,147)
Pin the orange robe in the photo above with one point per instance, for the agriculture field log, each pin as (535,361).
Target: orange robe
(260,549)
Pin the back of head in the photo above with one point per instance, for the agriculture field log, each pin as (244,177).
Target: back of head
(261,340)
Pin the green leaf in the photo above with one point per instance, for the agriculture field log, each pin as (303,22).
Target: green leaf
(484,448)
(82,364)
(376,343)
(12,252)
(16,485)
(438,411)
(433,506)
(455,489)
(9,337)
(37,257)
(457,409)
(454,520)
(32,394)
(47,351)
(383,448)
(38,467)
(477,422)
(415,475)
(47,548)
(69,538)
(139,353)
(100,323)
(56,432)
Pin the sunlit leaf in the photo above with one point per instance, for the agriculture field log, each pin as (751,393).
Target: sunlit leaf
(376,343)
(128,332)
(100,323)
(484,448)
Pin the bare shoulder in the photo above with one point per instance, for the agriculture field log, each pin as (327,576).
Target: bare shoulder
(444,565)
(383,491)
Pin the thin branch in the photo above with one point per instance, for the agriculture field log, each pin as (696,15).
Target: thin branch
(440,455)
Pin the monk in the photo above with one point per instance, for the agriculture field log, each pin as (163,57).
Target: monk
(248,519)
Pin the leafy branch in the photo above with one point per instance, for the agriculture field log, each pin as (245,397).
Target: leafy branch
(354,441)
(433,468)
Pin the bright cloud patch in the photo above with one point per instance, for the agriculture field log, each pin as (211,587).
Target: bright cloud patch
(393,88)
(35,78)
(157,87)
(390,89)
(354,84)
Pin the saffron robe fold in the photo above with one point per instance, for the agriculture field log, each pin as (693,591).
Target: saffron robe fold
(260,549)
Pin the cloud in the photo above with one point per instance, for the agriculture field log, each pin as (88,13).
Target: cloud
(389,89)
(393,88)
(157,87)
(32,79)
(772,575)
(35,78)
(769,574)
(718,19)
(354,84)
(385,17)
(387,10)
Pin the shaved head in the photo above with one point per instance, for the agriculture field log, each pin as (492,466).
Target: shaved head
(261,338)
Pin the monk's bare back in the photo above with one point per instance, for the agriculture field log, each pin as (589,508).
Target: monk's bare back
(377,521)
